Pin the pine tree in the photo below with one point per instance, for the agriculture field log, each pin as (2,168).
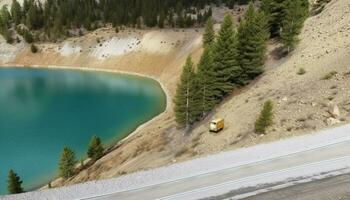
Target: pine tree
(274,11)
(95,149)
(16,12)
(209,33)
(265,119)
(252,43)
(227,70)
(28,37)
(14,183)
(67,163)
(5,15)
(161,20)
(186,101)
(33,48)
(205,74)
(296,12)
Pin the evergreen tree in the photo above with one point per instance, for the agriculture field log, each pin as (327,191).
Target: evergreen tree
(5,16)
(205,73)
(265,119)
(186,101)
(95,149)
(161,20)
(296,12)
(14,183)
(209,33)
(28,37)
(252,43)
(227,71)
(67,163)
(33,48)
(274,11)
(16,12)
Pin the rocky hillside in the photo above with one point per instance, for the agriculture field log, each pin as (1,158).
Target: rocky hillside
(304,102)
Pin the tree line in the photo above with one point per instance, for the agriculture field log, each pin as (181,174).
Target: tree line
(235,56)
(61,18)
(67,165)
(56,19)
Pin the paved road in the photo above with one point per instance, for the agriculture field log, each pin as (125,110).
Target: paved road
(225,180)
(335,188)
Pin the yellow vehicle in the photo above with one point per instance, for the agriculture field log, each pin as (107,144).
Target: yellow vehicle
(216,125)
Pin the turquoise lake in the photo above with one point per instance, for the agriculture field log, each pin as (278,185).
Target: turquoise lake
(41,111)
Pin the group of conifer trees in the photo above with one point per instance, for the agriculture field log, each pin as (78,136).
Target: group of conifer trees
(59,18)
(231,59)
(67,162)
(56,19)
(235,56)
(286,19)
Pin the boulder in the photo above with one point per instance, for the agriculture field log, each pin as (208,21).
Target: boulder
(332,121)
(334,111)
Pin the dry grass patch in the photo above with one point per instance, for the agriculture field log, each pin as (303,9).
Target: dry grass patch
(329,75)
(301,71)
(181,152)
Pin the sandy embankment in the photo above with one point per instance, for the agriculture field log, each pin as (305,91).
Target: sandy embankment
(158,55)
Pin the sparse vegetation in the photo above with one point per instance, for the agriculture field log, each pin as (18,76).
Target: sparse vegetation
(329,75)
(301,71)
(265,118)
(181,152)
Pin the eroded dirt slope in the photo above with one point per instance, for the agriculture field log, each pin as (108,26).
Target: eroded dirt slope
(303,103)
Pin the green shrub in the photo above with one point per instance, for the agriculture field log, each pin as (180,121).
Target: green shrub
(265,119)
(301,71)
(34,48)
(329,75)
(181,152)
(28,36)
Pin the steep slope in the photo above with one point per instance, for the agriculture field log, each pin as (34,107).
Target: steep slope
(303,103)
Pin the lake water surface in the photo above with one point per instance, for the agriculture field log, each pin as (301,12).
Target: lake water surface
(41,111)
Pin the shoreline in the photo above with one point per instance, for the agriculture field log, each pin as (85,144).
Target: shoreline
(110,148)
(94,69)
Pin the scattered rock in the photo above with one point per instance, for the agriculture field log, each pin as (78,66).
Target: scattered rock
(335,112)
(332,121)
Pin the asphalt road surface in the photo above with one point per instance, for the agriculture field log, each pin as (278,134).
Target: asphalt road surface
(335,188)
